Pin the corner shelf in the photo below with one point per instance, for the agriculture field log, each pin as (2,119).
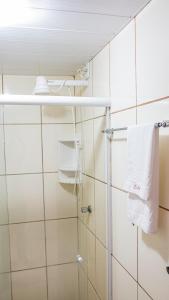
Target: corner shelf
(69,170)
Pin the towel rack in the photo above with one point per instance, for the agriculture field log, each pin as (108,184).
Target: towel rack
(157,125)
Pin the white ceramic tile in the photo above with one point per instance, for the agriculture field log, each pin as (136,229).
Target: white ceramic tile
(101,211)
(29,284)
(1,114)
(19,85)
(91,292)
(82,243)
(63,282)
(25,142)
(21,114)
(88,147)
(56,114)
(157,112)
(3,201)
(119,146)
(27,242)
(122,69)
(100,148)
(153,257)
(2,154)
(80,136)
(82,284)
(91,257)
(88,200)
(25,202)
(61,238)
(152,56)
(5,286)
(101,270)
(4,249)
(124,234)
(101,77)
(124,286)
(142,294)
(51,135)
(60,199)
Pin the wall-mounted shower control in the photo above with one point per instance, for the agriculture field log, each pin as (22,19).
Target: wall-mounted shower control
(87,209)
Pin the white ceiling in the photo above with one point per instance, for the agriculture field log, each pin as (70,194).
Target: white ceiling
(57,36)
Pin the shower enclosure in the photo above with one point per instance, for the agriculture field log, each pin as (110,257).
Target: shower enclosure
(52,245)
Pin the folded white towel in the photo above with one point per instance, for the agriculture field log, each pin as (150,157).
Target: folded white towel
(142,182)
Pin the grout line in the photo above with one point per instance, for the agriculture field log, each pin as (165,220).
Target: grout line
(164,208)
(42,267)
(94,178)
(35,124)
(37,221)
(123,267)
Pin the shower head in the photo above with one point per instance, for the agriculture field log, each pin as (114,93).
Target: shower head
(41,87)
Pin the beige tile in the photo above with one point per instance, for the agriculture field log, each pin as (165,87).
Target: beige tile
(63,282)
(29,284)
(153,258)
(2,154)
(100,148)
(124,234)
(82,284)
(25,202)
(101,211)
(101,77)
(80,200)
(27,242)
(51,135)
(60,199)
(61,239)
(88,200)
(80,136)
(91,292)
(1,114)
(91,257)
(101,270)
(88,147)
(152,57)
(119,146)
(157,112)
(3,201)
(142,294)
(122,69)
(56,114)
(124,286)
(82,243)
(22,114)
(5,286)
(25,142)
(19,85)
(4,249)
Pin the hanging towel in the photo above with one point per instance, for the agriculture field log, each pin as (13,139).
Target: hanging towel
(142,183)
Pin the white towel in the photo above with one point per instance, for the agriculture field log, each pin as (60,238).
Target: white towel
(142,182)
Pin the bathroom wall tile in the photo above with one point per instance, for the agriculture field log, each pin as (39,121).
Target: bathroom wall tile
(82,243)
(88,200)
(100,148)
(91,292)
(152,57)
(63,282)
(1,114)
(2,154)
(122,69)
(101,78)
(57,114)
(27,242)
(80,136)
(88,147)
(157,112)
(4,249)
(60,199)
(119,145)
(25,203)
(29,284)
(17,114)
(91,257)
(51,135)
(153,257)
(5,286)
(82,284)
(80,201)
(3,201)
(101,211)
(25,142)
(61,239)
(124,286)
(124,234)
(142,294)
(101,270)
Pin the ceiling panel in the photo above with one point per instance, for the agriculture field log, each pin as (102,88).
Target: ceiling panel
(55,37)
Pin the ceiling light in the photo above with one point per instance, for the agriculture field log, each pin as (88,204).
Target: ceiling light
(41,87)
